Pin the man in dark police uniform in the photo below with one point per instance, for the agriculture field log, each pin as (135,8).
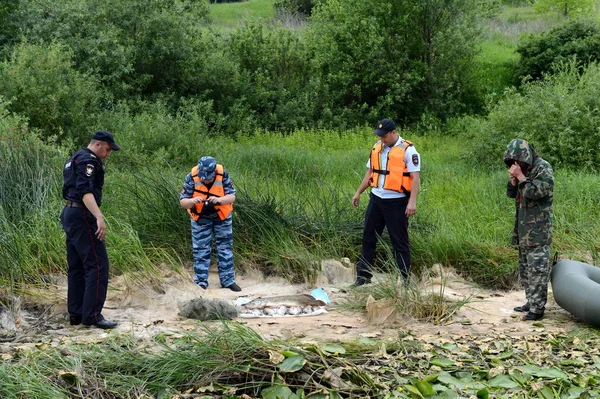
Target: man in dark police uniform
(85,229)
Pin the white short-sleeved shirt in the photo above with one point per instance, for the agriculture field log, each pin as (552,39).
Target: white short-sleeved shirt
(412,159)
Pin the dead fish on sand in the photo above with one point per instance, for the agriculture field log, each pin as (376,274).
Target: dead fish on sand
(285,305)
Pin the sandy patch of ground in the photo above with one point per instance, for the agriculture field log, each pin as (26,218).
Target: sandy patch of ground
(153,309)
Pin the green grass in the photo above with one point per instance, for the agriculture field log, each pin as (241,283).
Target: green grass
(230,360)
(293,209)
(231,15)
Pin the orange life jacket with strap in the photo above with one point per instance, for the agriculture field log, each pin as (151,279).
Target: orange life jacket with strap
(216,190)
(396,175)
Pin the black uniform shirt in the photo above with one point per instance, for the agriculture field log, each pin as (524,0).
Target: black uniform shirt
(83,173)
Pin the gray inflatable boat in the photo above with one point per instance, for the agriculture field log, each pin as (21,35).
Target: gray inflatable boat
(576,288)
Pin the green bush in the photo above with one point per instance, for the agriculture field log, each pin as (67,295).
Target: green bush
(394,58)
(274,73)
(135,46)
(540,54)
(42,86)
(559,115)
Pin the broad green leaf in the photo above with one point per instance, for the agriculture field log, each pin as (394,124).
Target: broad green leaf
(292,364)
(453,381)
(414,390)
(546,393)
(552,372)
(503,381)
(574,393)
(276,392)
(333,348)
(441,362)
(483,394)
(425,388)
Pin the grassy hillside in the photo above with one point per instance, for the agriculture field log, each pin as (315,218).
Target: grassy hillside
(231,15)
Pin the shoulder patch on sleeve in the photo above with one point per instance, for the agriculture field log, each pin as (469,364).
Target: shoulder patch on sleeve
(89,169)
(415,160)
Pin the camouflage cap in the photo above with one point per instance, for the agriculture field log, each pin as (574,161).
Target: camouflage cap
(207,168)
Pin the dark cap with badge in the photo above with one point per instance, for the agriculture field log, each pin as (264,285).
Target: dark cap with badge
(103,135)
(207,168)
(384,127)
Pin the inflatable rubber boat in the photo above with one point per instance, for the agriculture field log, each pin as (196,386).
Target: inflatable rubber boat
(576,288)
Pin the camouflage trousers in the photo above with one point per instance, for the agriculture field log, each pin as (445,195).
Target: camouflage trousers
(203,232)
(534,270)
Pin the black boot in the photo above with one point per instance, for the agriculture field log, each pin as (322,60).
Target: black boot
(524,308)
(530,316)
(361,281)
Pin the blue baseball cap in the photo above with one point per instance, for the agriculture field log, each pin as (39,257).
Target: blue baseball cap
(207,168)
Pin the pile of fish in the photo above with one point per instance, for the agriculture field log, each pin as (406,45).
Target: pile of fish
(281,306)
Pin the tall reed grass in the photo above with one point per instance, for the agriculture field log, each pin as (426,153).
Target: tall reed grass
(293,208)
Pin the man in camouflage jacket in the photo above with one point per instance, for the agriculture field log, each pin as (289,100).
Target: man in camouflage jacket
(532,185)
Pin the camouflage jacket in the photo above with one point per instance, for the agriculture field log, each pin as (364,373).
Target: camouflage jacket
(533,196)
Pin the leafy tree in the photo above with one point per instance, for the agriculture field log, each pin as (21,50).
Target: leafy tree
(8,25)
(567,8)
(579,39)
(135,46)
(559,114)
(42,86)
(398,58)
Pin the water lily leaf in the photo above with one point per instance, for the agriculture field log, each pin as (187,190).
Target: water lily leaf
(425,388)
(572,362)
(574,393)
(505,355)
(277,392)
(333,349)
(552,372)
(546,393)
(503,381)
(442,362)
(292,364)
(450,380)
(414,390)
(451,346)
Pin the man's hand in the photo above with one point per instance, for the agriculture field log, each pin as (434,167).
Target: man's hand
(214,200)
(101,232)
(355,199)
(515,172)
(411,209)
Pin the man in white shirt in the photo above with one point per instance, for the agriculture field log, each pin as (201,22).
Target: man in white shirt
(394,175)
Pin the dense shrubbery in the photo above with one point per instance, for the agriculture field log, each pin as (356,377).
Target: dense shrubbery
(42,85)
(540,54)
(134,46)
(355,63)
(559,115)
(395,58)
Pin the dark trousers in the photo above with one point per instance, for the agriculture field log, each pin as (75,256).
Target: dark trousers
(389,213)
(88,266)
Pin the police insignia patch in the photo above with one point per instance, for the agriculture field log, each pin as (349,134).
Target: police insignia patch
(415,160)
(89,170)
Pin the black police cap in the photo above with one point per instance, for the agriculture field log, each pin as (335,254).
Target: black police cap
(103,135)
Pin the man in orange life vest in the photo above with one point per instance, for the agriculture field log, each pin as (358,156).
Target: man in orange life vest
(208,195)
(394,175)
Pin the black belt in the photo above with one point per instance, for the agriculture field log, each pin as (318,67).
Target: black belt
(72,204)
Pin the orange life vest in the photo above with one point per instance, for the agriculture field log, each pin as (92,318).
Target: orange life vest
(396,176)
(216,190)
